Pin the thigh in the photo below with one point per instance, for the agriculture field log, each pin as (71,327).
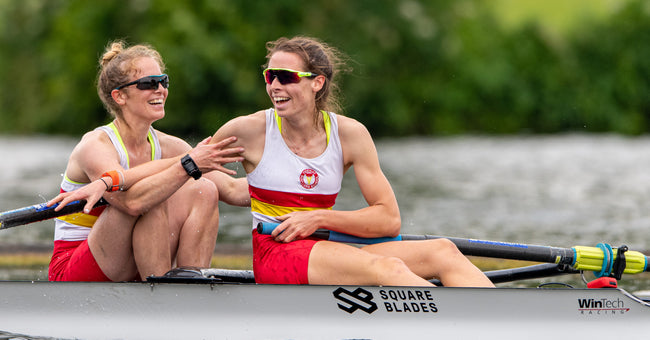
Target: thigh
(424,258)
(110,242)
(340,263)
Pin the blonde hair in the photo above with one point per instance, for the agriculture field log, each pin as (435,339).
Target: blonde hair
(116,65)
(319,58)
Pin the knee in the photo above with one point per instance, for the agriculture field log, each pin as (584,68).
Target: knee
(204,191)
(446,247)
(387,267)
(443,253)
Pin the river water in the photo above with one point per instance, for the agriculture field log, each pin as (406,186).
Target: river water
(559,190)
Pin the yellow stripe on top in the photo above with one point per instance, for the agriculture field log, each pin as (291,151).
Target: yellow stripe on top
(326,121)
(119,138)
(80,219)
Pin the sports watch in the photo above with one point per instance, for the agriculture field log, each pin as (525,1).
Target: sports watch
(190,167)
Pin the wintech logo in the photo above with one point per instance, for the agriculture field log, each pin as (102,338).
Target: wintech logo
(359,298)
(602,306)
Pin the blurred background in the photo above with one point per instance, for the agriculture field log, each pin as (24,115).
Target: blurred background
(435,67)
(516,120)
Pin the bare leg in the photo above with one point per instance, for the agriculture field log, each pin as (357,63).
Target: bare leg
(439,259)
(198,235)
(151,238)
(182,229)
(337,263)
(110,243)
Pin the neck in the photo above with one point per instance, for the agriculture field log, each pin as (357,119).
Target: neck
(305,137)
(303,128)
(132,134)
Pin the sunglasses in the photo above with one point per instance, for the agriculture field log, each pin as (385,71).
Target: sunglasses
(285,76)
(148,83)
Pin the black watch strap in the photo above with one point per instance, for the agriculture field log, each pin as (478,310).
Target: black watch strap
(190,167)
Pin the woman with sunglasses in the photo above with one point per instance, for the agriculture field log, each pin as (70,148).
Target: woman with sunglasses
(295,156)
(161,212)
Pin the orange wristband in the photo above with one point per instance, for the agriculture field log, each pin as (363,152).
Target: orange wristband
(117,178)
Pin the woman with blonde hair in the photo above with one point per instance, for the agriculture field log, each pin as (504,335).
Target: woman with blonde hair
(161,213)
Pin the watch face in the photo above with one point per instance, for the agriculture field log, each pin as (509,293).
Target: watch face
(190,167)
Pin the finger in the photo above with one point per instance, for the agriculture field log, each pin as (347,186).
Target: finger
(227,160)
(88,207)
(283,217)
(278,231)
(63,203)
(205,141)
(54,200)
(231,151)
(226,141)
(227,171)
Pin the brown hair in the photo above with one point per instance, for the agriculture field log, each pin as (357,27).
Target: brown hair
(116,65)
(319,58)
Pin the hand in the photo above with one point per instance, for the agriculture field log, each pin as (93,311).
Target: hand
(210,157)
(294,226)
(91,193)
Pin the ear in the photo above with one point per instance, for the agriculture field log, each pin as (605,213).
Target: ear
(119,97)
(318,83)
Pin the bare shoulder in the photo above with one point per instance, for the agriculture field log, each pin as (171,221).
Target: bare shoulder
(171,145)
(94,152)
(356,140)
(351,127)
(243,125)
(91,142)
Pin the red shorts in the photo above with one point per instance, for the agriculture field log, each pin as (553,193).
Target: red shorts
(281,263)
(73,261)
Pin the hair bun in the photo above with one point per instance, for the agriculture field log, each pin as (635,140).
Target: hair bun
(111,52)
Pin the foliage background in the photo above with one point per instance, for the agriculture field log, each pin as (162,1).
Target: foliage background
(430,67)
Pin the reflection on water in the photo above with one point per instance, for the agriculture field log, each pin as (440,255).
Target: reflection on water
(553,190)
(556,190)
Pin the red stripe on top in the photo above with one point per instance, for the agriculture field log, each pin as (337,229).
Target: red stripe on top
(288,199)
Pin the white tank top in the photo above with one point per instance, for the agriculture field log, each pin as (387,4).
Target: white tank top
(76,227)
(284,182)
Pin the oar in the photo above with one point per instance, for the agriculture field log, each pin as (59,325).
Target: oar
(603,260)
(40,212)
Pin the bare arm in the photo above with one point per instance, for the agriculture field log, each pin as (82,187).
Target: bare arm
(249,131)
(233,191)
(149,183)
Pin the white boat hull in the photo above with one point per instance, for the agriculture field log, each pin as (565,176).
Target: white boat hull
(248,311)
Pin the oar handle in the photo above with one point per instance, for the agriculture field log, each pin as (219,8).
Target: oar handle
(266,228)
(40,212)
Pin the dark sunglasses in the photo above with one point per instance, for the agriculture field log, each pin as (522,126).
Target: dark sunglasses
(285,75)
(148,83)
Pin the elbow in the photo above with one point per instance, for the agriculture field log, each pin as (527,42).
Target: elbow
(134,208)
(394,227)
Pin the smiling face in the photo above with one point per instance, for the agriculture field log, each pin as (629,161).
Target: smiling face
(145,104)
(292,98)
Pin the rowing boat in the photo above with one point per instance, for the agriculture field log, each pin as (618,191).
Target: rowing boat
(192,303)
(166,308)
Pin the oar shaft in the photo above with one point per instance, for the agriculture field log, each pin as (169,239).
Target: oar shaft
(40,212)
(506,250)
(579,258)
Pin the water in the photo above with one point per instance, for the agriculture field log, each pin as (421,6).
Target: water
(560,190)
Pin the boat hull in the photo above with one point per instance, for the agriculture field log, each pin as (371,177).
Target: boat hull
(247,311)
